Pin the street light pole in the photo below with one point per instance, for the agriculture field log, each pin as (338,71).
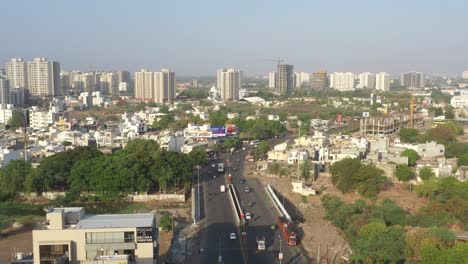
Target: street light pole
(198,191)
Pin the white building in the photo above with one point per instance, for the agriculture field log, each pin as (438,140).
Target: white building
(229,82)
(271,80)
(382,81)
(301,79)
(123,87)
(39,119)
(367,80)
(342,81)
(243,93)
(465,75)
(459,101)
(6,113)
(43,77)
(156,87)
(16,72)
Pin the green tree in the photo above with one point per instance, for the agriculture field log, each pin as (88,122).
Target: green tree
(12,178)
(456,149)
(458,254)
(163,122)
(262,149)
(369,180)
(342,173)
(412,156)
(441,133)
(409,135)
(17,120)
(463,160)
(165,222)
(218,119)
(449,114)
(425,173)
(305,170)
(403,173)
(198,156)
(427,188)
(377,243)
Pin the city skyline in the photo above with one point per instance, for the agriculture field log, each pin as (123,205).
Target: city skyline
(361,36)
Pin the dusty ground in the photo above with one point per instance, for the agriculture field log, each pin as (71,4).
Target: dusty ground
(319,233)
(18,240)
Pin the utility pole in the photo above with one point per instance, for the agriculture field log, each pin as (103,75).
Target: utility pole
(198,192)
(280,255)
(299,141)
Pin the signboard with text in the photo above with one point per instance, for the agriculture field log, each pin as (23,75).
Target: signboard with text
(219,130)
(144,234)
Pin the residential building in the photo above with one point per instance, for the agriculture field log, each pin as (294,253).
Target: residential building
(465,75)
(319,80)
(413,80)
(271,80)
(284,80)
(382,81)
(43,77)
(229,82)
(243,93)
(390,124)
(123,76)
(39,119)
(156,87)
(65,82)
(4,91)
(6,112)
(459,101)
(17,73)
(109,83)
(17,96)
(367,80)
(72,236)
(343,81)
(301,79)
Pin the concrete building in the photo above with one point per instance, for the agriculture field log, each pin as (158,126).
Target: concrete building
(39,119)
(123,76)
(6,113)
(284,80)
(388,125)
(343,81)
(271,80)
(319,80)
(367,80)
(17,72)
(43,77)
(413,80)
(71,236)
(4,91)
(243,93)
(382,81)
(301,79)
(465,75)
(108,83)
(229,82)
(156,87)
(459,101)
(17,96)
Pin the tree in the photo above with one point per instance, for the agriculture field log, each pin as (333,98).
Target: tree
(12,178)
(305,170)
(218,119)
(165,222)
(449,114)
(425,173)
(427,188)
(342,173)
(456,149)
(409,135)
(376,243)
(403,173)
(262,149)
(463,160)
(198,156)
(441,133)
(412,156)
(419,239)
(17,120)
(369,180)
(163,122)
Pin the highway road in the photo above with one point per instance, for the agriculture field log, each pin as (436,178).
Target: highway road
(218,220)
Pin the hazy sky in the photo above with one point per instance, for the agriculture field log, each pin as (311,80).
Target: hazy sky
(196,37)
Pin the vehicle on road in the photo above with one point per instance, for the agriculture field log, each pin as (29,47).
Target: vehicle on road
(261,243)
(213,165)
(233,236)
(220,167)
(288,231)
(247,189)
(248,216)
(241,181)
(220,259)
(222,188)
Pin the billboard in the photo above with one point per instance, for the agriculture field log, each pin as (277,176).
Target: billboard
(144,234)
(231,129)
(218,130)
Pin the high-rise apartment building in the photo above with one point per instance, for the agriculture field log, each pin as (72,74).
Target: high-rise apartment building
(123,76)
(343,81)
(284,80)
(229,82)
(301,79)
(367,80)
(156,87)
(465,75)
(382,81)
(4,92)
(17,73)
(271,79)
(413,80)
(319,80)
(108,83)
(43,77)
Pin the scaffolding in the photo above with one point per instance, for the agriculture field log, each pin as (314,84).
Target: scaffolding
(391,124)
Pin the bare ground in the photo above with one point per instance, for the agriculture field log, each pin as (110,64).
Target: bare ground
(17,240)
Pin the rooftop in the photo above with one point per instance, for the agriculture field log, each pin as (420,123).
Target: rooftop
(115,221)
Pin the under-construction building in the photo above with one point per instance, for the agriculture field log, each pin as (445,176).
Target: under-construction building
(390,124)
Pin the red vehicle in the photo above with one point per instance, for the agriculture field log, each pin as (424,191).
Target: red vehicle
(287,229)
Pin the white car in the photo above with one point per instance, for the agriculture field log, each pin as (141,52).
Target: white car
(248,216)
(213,165)
(233,236)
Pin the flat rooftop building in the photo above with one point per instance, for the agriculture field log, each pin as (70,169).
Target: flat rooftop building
(71,236)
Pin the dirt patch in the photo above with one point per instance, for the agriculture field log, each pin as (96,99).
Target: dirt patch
(17,240)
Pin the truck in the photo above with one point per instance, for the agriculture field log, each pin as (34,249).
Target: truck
(261,243)
(288,231)
(220,167)
(222,188)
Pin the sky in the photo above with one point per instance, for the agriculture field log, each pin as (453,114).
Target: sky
(197,37)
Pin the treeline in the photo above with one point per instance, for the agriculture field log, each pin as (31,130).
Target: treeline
(140,167)
(258,128)
(377,234)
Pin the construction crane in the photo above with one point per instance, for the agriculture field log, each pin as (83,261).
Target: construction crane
(278,60)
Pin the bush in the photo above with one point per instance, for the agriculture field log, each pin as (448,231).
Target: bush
(165,222)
